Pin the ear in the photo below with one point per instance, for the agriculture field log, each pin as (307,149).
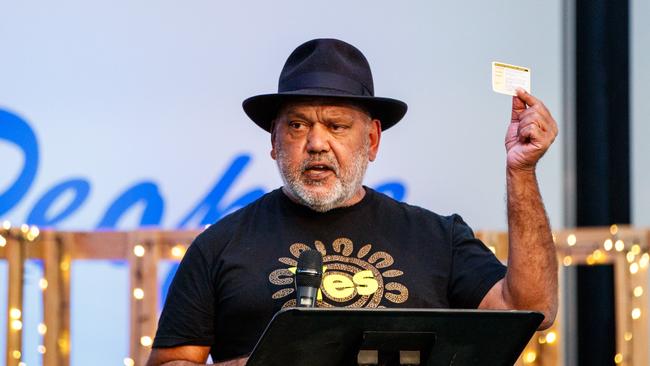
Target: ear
(274,154)
(374,133)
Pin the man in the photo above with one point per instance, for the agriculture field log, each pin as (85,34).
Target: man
(326,125)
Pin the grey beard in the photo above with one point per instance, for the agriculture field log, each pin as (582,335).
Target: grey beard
(346,186)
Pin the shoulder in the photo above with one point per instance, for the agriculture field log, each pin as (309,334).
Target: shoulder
(413,213)
(218,235)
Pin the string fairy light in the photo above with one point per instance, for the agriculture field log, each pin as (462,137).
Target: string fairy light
(619,245)
(139,250)
(178,251)
(608,244)
(146,341)
(530,357)
(571,240)
(138,293)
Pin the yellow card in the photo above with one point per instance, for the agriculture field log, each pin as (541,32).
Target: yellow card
(506,78)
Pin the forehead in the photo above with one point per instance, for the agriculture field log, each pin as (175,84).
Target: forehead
(327,107)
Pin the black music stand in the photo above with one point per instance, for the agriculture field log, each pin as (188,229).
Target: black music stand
(386,337)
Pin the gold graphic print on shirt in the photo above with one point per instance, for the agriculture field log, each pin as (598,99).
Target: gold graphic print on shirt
(350,279)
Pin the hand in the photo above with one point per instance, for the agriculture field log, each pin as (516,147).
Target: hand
(531,131)
(236,362)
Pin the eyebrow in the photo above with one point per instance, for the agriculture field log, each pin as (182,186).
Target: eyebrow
(293,113)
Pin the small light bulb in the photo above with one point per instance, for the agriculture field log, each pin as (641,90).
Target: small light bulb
(613,229)
(530,357)
(636,313)
(178,251)
(15,313)
(590,260)
(571,240)
(634,268)
(551,337)
(619,245)
(608,244)
(64,266)
(567,261)
(645,258)
(146,341)
(618,358)
(16,325)
(630,257)
(636,249)
(42,329)
(16,354)
(598,255)
(24,228)
(41,349)
(628,336)
(6,225)
(129,362)
(3,241)
(42,283)
(138,250)
(638,291)
(138,293)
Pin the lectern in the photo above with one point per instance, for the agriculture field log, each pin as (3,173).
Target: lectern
(391,337)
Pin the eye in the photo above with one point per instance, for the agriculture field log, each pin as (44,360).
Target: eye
(338,127)
(296,125)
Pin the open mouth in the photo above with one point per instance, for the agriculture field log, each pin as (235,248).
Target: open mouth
(319,170)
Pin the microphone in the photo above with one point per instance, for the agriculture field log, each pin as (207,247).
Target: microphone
(308,277)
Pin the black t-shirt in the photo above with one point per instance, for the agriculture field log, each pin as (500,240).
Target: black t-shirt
(376,253)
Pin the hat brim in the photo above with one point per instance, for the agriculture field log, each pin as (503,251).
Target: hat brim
(262,109)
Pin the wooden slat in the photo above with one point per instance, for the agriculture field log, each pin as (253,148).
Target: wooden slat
(143,275)
(622,305)
(56,299)
(14,251)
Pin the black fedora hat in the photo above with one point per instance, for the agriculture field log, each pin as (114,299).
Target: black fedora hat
(325,68)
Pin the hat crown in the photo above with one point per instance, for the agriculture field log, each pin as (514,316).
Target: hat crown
(327,64)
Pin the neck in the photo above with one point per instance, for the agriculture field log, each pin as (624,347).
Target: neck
(358,195)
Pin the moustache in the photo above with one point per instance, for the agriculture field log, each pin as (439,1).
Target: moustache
(321,162)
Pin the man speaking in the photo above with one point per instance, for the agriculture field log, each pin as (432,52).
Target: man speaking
(326,125)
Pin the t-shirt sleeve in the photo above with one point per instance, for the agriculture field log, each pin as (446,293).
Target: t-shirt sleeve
(188,315)
(474,270)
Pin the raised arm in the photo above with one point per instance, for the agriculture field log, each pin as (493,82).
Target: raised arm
(531,280)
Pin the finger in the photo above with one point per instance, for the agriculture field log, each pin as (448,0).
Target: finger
(518,106)
(530,133)
(528,98)
(533,118)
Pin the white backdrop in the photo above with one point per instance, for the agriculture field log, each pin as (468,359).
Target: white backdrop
(118,93)
(640,111)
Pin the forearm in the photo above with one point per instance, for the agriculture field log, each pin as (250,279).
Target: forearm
(531,280)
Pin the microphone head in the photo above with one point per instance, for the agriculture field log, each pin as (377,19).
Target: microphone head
(310,269)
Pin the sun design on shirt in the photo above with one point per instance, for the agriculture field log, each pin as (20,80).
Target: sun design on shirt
(359,280)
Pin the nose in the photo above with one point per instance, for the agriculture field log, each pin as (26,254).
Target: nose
(318,139)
